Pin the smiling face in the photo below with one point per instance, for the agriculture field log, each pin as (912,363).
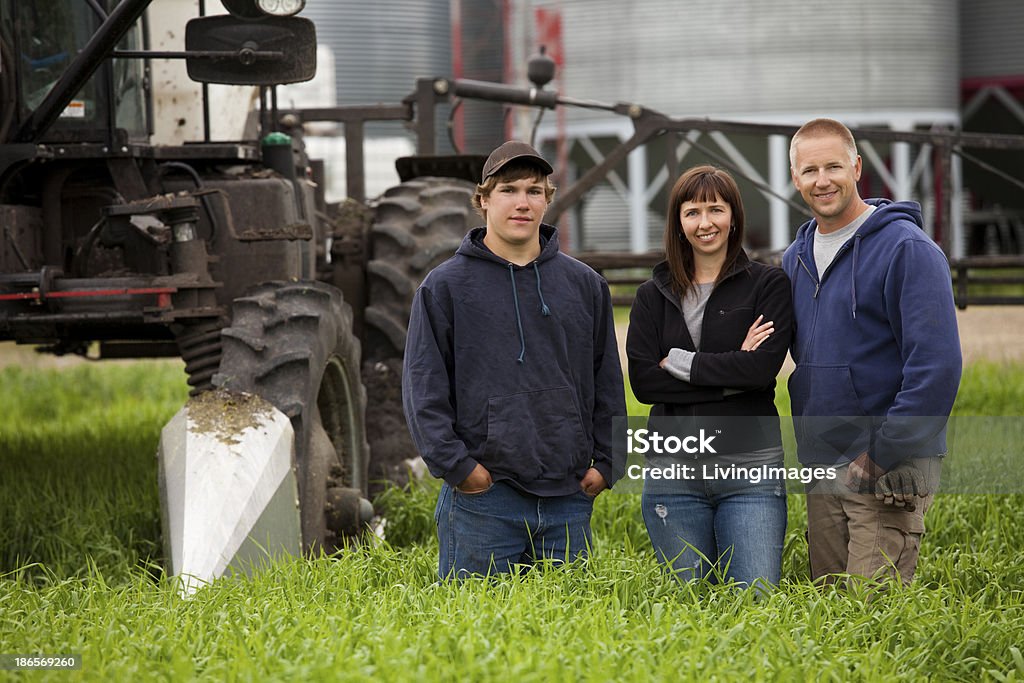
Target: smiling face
(514,210)
(826,177)
(706,226)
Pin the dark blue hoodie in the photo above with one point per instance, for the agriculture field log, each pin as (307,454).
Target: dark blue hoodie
(513,367)
(876,342)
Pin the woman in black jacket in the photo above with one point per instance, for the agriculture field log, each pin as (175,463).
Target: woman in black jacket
(708,333)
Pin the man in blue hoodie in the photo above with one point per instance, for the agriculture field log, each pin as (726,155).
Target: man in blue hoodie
(877,361)
(511,380)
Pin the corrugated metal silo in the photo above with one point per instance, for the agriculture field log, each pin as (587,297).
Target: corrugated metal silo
(706,57)
(479,44)
(991,41)
(872,62)
(380,49)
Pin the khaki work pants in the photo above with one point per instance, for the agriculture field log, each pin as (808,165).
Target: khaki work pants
(854,533)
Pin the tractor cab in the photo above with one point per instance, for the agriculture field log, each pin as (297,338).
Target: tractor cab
(40,42)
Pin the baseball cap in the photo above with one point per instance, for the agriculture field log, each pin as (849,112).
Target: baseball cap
(513,149)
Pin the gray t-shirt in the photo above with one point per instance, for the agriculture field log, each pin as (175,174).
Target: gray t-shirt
(826,246)
(693,305)
(678,365)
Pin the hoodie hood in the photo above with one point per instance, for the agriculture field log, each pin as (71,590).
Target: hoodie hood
(474,247)
(886,213)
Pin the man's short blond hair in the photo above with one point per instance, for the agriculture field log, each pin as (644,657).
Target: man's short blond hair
(817,128)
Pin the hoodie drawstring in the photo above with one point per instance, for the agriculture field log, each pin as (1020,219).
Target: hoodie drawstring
(519,320)
(544,310)
(853,273)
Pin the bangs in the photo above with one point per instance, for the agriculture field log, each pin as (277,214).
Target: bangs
(704,187)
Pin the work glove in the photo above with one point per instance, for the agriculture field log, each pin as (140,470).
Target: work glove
(900,485)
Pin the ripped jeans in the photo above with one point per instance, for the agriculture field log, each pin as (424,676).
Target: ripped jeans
(719,529)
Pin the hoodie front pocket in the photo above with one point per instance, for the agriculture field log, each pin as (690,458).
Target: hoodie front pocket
(829,421)
(824,390)
(535,435)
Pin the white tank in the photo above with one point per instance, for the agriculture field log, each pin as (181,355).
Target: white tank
(707,57)
(873,62)
(991,42)
(380,47)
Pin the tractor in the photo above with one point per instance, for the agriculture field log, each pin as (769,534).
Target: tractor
(289,313)
(223,253)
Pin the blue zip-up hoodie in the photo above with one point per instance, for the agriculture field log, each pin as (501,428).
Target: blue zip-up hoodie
(876,342)
(513,367)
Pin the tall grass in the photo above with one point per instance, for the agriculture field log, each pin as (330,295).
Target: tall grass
(78,467)
(80,573)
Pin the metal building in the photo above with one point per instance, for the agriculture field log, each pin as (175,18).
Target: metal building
(873,62)
(912,65)
(992,86)
(379,48)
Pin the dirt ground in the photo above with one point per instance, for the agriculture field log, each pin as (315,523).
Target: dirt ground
(993,333)
(27,357)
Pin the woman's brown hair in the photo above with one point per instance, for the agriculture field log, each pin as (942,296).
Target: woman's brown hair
(700,184)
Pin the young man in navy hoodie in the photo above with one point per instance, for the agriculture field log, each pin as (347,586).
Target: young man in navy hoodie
(511,380)
(877,362)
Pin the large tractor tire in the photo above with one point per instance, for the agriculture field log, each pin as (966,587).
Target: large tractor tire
(417,226)
(291,343)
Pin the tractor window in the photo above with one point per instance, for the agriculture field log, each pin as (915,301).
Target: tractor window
(49,35)
(130,87)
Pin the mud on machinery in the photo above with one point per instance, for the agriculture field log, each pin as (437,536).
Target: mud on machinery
(225,253)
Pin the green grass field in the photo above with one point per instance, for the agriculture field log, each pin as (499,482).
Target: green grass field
(80,572)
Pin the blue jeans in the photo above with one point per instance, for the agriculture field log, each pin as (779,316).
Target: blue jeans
(718,528)
(494,531)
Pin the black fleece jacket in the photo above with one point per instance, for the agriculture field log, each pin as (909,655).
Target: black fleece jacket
(656,325)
